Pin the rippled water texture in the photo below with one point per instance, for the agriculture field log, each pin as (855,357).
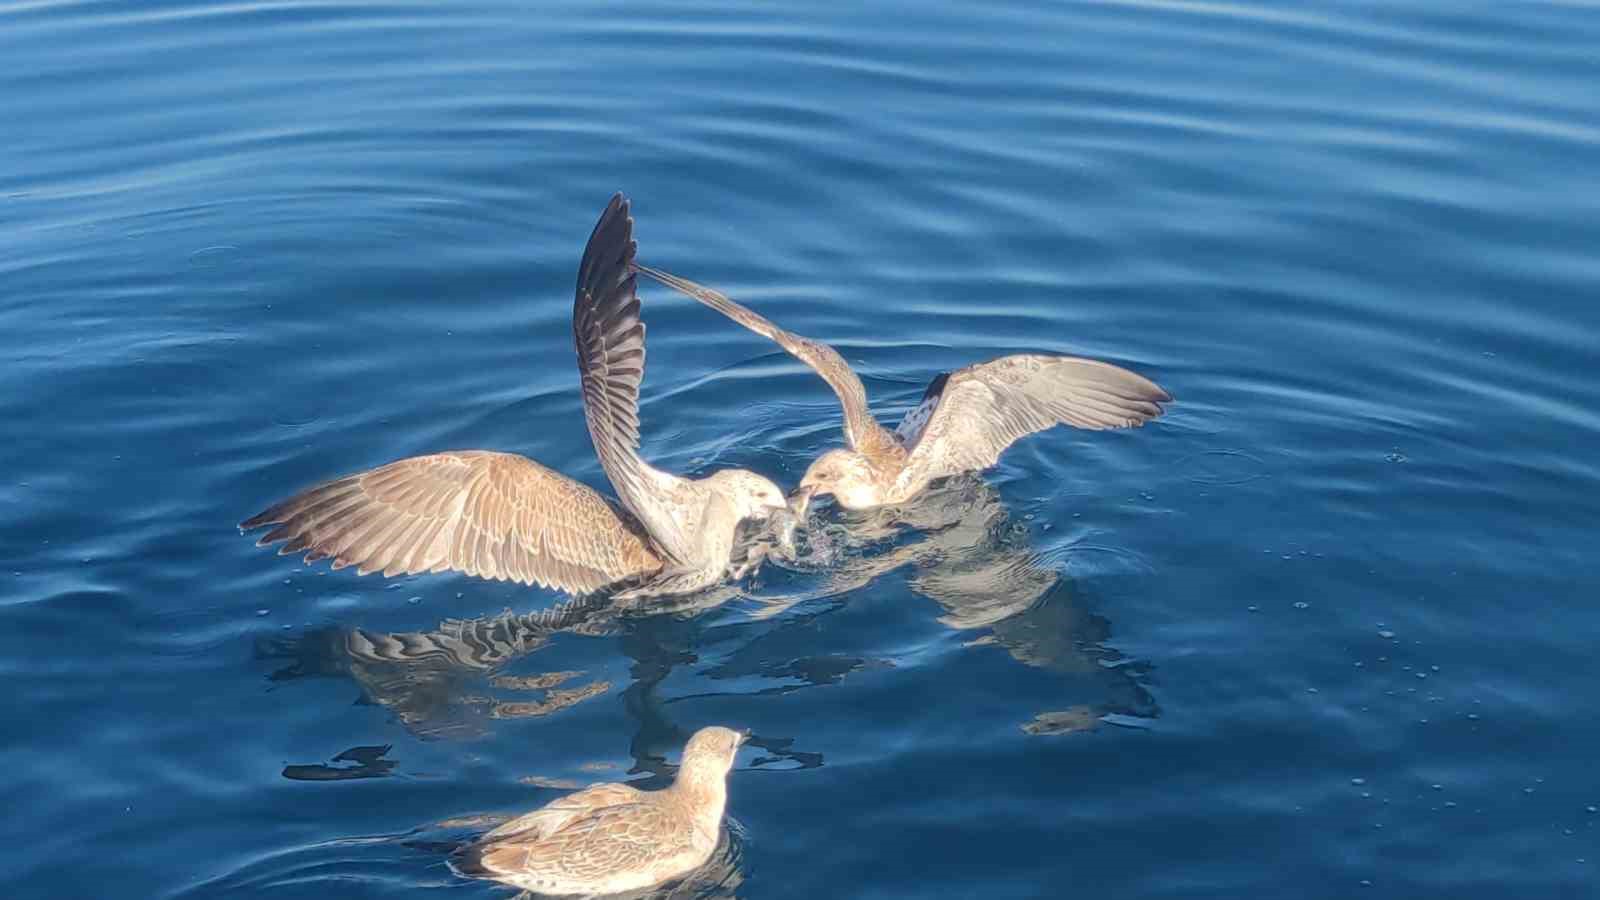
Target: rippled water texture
(1326,630)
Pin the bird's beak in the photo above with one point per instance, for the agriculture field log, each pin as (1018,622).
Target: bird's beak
(744,736)
(800,501)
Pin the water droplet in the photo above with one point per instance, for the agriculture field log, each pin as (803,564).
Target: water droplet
(1433,668)
(1311,690)
(414,600)
(262,612)
(1591,809)
(1301,604)
(1386,634)
(1422,674)
(1527,790)
(1358,781)
(1438,787)
(1253,608)
(1366,883)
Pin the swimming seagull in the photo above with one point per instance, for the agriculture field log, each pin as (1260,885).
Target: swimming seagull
(612,837)
(505,517)
(966,419)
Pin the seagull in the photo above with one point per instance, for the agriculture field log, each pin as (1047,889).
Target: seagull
(504,517)
(612,837)
(966,419)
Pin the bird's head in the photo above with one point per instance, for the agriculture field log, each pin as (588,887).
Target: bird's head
(710,752)
(843,473)
(753,496)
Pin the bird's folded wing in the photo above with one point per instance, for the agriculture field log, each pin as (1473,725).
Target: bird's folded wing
(610,341)
(552,816)
(626,837)
(861,430)
(492,515)
(981,410)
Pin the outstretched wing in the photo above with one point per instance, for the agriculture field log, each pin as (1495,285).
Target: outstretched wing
(492,515)
(972,415)
(610,341)
(861,430)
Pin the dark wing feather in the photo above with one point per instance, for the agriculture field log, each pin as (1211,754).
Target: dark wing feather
(984,408)
(861,430)
(610,341)
(492,515)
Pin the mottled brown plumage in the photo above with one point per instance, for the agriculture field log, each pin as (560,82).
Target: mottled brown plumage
(611,837)
(967,418)
(502,516)
(491,515)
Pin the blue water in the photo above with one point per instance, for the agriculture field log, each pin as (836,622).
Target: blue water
(1328,629)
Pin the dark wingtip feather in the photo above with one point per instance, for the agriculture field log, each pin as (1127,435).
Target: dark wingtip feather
(269,516)
(468,861)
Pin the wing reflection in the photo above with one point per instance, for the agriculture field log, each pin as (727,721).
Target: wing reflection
(966,554)
(961,547)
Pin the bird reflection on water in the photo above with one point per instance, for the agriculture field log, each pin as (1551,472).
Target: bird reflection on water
(959,542)
(957,545)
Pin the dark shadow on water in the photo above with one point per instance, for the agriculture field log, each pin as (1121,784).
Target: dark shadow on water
(365,762)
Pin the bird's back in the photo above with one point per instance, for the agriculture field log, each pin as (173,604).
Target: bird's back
(605,839)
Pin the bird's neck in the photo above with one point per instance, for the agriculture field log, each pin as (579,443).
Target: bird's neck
(705,795)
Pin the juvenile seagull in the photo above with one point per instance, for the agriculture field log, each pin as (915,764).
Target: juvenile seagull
(966,419)
(610,838)
(505,517)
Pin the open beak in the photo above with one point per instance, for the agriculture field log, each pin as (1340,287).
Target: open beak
(744,736)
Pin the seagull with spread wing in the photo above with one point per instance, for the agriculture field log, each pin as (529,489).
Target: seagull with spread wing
(966,419)
(505,517)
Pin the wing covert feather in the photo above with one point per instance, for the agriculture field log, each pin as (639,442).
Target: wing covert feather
(492,515)
(552,816)
(984,408)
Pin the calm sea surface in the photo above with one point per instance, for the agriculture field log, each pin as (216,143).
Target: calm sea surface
(1329,629)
